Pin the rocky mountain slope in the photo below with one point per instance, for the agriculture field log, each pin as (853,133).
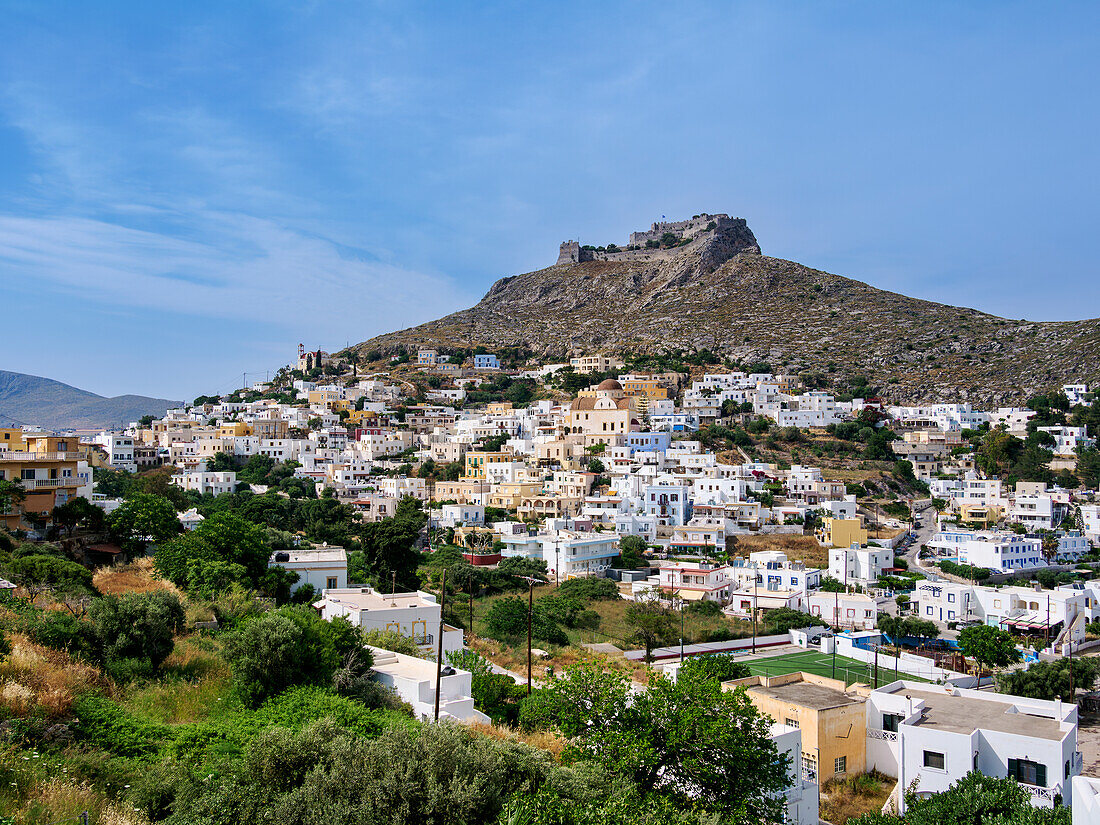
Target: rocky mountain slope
(715,290)
(30,399)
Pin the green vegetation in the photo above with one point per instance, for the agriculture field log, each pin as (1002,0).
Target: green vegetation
(989,646)
(966,571)
(973,800)
(1050,680)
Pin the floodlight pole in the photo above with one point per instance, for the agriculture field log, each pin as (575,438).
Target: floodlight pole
(439,644)
(530,612)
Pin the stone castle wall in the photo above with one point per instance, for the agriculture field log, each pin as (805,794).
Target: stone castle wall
(571,252)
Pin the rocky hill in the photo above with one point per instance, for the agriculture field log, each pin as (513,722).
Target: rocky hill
(30,399)
(705,284)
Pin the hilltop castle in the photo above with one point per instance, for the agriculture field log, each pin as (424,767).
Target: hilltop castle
(663,238)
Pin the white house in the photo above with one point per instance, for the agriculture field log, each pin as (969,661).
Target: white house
(1068,439)
(853,611)
(414,680)
(930,736)
(120,450)
(668,500)
(695,581)
(326,568)
(1090,521)
(800,797)
(203,482)
(859,565)
(1000,552)
(411,614)
(1086,800)
(452,515)
(566,552)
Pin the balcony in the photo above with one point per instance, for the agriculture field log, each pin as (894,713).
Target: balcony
(23,455)
(30,484)
(1042,793)
(884,735)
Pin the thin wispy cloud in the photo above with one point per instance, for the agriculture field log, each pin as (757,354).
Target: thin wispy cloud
(331,171)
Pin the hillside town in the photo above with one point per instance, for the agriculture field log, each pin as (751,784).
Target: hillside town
(907,594)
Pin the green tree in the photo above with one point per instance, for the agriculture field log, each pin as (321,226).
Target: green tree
(652,625)
(989,646)
(975,799)
(223,550)
(222,462)
(136,632)
(632,551)
(1050,680)
(714,666)
(77,511)
(783,619)
(1088,466)
(689,741)
(11,494)
(142,519)
(289,646)
(40,573)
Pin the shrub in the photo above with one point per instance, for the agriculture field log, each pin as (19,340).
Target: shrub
(714,666)
(589,588)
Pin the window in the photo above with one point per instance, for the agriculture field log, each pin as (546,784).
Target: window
(809,766)
(840,764)
(934,760)
(951,597)
(331,582)
(793,723)
(28,474)
(890,721)
(1027,772)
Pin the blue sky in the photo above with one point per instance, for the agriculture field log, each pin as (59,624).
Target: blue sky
(188,190)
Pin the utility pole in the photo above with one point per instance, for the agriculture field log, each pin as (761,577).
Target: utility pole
(439,644)
(681,630)
(530,610)
(754,608)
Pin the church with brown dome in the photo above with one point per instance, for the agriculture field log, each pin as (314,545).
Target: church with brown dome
(603,412)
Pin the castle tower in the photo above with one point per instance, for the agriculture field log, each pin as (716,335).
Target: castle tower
(569,252)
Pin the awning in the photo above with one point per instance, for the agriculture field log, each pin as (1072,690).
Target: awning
(691,595)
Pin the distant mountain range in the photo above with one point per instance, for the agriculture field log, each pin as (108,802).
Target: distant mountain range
(29,399)
(704,284)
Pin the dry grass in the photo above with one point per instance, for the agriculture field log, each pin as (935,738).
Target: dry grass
(194,685)
(60,800)
(805,549)
(543,740)
(842,799)
(135,577)
(515,660)
(51,677)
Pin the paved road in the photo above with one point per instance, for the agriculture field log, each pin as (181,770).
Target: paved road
(924,534)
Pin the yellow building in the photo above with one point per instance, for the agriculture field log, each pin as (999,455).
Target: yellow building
(832,720)
(651,388)
(362,417)
(609,412)
(979,513)
(47,469)
(842,532)
(233,429)
(499,408)
(476,461)
(510,495)
(11,438)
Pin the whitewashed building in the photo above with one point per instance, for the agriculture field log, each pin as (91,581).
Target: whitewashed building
(931,736)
